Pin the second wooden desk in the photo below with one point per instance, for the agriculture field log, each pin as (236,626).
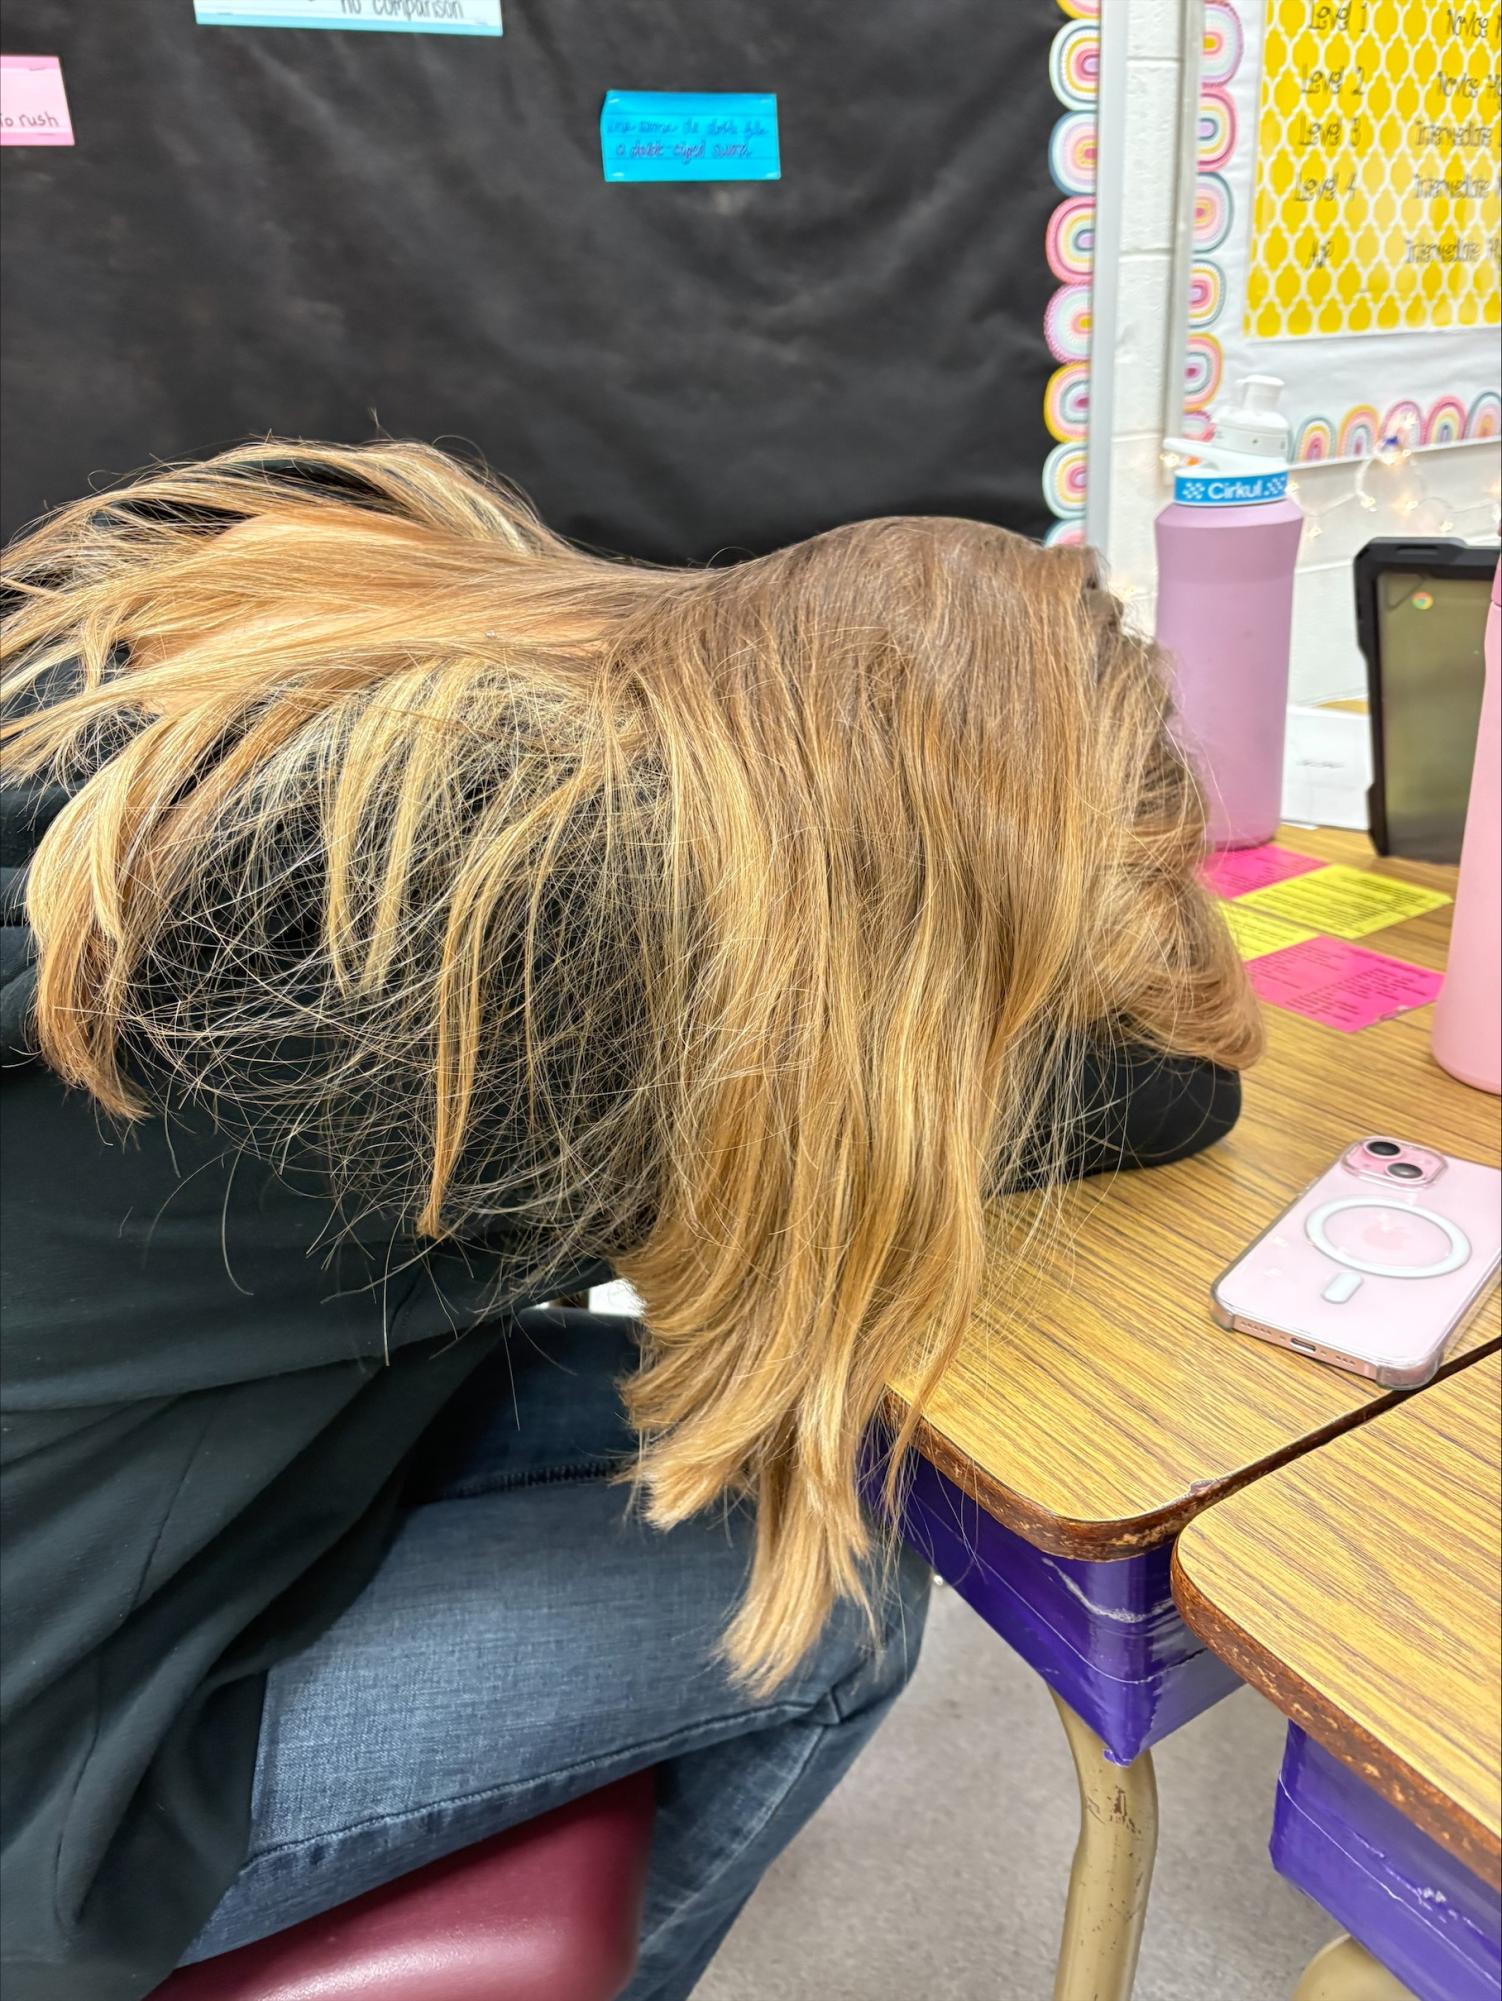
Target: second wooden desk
(1095,1408)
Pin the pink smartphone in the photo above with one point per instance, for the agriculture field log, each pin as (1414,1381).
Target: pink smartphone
(1377,1266)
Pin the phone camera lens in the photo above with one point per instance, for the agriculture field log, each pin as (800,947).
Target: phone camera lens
(1385,1148)
(1405,1170)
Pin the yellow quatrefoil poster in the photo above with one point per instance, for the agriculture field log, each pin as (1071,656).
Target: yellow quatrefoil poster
(1377,176)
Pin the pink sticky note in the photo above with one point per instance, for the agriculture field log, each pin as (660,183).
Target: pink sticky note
(33,103)
(1344,986)
(1234,871)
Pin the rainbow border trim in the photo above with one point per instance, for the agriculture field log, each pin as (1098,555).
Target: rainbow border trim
(1074,75)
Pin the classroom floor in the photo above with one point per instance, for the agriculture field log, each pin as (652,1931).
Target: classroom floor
(937,1871)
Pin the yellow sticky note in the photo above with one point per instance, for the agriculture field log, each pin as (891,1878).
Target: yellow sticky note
(1257,932)
(1347,902)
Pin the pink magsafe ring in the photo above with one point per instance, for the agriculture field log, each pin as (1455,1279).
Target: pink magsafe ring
(1446,1250)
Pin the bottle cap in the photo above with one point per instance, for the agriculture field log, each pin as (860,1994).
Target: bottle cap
(1254,424)
(1246,462)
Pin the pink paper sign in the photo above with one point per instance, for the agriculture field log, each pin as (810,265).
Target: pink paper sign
(1234,871)
(33,103)
(1344,986)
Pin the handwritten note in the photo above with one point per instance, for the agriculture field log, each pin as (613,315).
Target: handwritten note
(33,104)
(690,135)
(398,17)
(1234,871)
(1350,902)
(1327,767)
(1258,933)
(1343,986)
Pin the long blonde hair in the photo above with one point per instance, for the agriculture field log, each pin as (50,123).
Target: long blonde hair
(738,925)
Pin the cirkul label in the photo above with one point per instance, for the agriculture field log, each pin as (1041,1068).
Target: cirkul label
(1198,488)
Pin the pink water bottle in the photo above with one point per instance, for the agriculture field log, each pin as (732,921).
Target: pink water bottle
(1227,545)
(1468,1014)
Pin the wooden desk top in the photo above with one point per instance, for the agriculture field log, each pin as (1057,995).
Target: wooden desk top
(1359,1587)
(1094,1406)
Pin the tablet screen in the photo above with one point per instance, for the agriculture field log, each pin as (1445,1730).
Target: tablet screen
(1430,628)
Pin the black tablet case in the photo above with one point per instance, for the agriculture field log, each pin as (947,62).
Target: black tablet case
(1435,556)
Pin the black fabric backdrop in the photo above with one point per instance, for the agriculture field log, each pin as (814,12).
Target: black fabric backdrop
(330,235)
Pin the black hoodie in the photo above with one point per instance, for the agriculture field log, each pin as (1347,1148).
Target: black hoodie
(202,1452)
(205,1429)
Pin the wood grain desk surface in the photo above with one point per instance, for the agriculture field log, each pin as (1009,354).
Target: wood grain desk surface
(1359,1587)
(1094,1406)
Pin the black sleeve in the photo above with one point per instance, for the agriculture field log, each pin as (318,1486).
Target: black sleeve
(1136,1108)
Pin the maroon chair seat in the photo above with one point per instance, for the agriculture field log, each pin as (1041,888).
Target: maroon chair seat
(550,1911)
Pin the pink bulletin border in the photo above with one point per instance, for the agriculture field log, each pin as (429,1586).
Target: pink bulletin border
(1074,74)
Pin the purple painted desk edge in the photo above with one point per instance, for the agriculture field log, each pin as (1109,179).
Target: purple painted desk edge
(1429,1919)
(1106,1637)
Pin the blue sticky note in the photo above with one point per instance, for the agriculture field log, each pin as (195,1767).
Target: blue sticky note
(690,135)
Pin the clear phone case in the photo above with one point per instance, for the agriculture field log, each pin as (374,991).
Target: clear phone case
(1378,1264)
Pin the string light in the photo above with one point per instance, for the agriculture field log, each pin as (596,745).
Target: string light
(1389,483)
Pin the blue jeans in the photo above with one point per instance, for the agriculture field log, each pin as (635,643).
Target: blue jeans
(527,1639)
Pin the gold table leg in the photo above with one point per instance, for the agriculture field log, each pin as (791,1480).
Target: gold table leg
(1112,1872)
(1346,1971)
